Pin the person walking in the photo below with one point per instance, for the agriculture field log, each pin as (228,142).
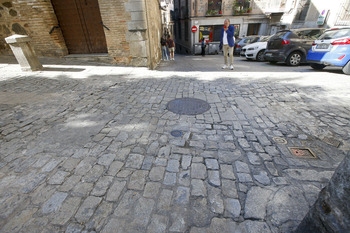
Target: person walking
(203,47)
(171,46)
(227,42)
(163,43)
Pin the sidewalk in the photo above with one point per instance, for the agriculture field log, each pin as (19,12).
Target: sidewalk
(87,147)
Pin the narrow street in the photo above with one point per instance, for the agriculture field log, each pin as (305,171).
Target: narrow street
(89,147)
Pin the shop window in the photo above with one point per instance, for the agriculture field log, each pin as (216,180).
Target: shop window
(253,29)
(214,7)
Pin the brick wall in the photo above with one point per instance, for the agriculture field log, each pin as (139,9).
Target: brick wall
(133,38)
(34,18)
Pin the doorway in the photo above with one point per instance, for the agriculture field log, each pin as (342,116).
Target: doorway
(81,24)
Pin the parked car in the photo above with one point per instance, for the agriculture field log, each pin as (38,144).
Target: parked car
(244,41)
(332,48)
(256,50)
(291,46)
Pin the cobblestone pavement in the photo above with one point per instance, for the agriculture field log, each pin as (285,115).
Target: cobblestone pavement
(87,147)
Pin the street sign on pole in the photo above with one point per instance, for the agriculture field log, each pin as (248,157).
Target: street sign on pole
(194,29)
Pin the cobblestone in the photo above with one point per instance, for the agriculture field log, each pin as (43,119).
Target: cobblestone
(87,148)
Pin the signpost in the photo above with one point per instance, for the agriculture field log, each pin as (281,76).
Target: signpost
(322,17)
(194,29)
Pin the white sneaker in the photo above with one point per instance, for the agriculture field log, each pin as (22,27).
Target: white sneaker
(231,67)
(225,67)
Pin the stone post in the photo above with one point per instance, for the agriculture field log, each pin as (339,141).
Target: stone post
(24,53)
(331,211)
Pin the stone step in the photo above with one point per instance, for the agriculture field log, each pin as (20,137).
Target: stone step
(94,57)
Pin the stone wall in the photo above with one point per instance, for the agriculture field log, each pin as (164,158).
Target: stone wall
(331,212)
(133,38)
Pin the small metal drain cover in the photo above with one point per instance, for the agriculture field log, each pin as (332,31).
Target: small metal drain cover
(279,140)
(188,106)
(302,152)
(332,141)
(176,133)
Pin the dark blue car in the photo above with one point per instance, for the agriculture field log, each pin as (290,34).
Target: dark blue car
(332,48)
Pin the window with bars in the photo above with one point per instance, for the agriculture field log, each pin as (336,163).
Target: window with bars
(214,7)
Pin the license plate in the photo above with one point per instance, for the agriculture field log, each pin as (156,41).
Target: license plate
(322,46)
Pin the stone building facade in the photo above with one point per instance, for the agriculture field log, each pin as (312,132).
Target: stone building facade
(127,32)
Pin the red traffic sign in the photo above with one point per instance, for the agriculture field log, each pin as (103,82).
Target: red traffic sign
(194,29)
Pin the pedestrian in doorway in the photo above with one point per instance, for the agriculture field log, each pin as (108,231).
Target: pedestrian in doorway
(227,42)
(163,43)
(203,47)
(171,46)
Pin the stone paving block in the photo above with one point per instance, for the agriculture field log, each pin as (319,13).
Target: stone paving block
(186,161)
(173,165)
(54,203)
(198,171)
(134,161)
(184,178)
(232,208)
(198,188)
(197,160)
(158,224)
(114,168)
(253,158)
(229,188)
(229,157)
(69,183)
(93,174)
(147,163)
(178,221)
(214,178)
(87,209)
(84,166)
(244,177)
(157,173)
(51,165)
(138,180)
(227,172)
(262,178)
(99,219)
(106,159)
(215,201)
(82,189)
(151,189)
(115,190)
(212,164)
(102,185)
(165,198)
(169,178)
(242,167)
(123,154)
(70,164)
(68,209)
(257,195)
(58,177)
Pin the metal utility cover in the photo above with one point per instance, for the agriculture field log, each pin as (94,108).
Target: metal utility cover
(302,152)
(188,106)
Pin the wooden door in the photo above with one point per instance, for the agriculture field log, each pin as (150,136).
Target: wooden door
(81,25)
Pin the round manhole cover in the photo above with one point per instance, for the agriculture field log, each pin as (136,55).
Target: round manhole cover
(176,133)
(188,106)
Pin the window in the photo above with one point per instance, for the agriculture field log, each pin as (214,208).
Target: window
(214,7)
(241,6)
(303,11)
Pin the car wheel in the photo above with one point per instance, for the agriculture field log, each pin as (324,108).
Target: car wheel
(294,59)
(260,56)
(346,68)
(317,66)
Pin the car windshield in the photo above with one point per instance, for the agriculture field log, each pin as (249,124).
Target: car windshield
(250,40)
(264,38)
(334,34)
(280,34)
